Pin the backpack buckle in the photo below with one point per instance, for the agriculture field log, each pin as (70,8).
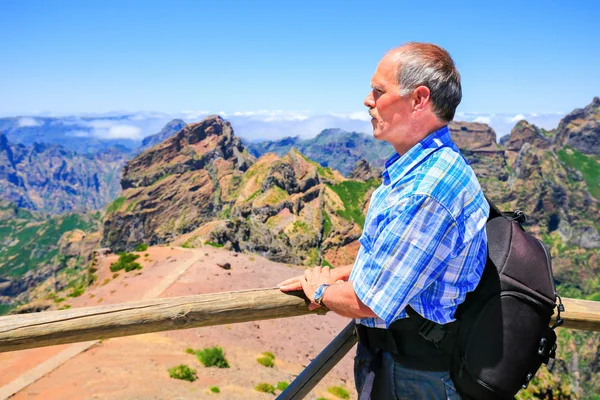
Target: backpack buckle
(542,347)
(528,379)
(432,332)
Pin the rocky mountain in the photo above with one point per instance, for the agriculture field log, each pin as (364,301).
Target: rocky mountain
(50,178)
(288,208)
(169,130)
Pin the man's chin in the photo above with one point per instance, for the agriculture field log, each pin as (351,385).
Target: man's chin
(377,134)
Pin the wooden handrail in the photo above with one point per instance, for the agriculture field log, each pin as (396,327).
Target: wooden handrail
(18,332)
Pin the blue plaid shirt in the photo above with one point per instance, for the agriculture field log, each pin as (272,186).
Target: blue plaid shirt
(424,242)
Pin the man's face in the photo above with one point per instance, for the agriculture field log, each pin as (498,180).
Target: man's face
(389,111)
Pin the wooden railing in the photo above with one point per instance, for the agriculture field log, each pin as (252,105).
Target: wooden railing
(18,332)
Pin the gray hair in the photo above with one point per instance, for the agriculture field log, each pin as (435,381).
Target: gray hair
(425,64)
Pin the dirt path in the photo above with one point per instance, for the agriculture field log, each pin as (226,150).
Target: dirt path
(136,367)
(44,368)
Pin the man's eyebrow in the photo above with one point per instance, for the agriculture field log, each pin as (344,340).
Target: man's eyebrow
(376,87)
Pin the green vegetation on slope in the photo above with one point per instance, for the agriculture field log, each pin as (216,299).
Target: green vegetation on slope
(352,193)
(115,205)
(589,166)
(30,241)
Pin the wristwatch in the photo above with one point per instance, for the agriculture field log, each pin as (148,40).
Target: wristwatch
(320,292)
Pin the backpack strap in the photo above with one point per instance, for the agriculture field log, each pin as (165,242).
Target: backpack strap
(494,211)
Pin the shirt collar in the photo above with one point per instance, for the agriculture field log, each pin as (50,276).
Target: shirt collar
(397,166)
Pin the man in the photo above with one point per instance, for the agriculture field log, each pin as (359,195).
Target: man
(423,245)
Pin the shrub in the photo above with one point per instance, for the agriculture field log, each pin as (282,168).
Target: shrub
(190,351)
(265,388)
(77,291)
(141,247)
(213,244)
(183,372)
(266,361)
(212,357)
(282,385)
(215,389)
(127,262)
(268,354)
(339,391)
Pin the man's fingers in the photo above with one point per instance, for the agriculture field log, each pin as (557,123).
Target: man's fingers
(308,274)
(313,306)
(291,287)
(290,281)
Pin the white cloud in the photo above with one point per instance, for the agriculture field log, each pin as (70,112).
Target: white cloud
(483,120)
(517,118)
(111,129)
(27,122)
(192,116)
(79,134)
(123,132)
(358,115)
(273,115)
(144,115)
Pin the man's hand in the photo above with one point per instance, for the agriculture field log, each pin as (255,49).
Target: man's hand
(340,274)
(309,282)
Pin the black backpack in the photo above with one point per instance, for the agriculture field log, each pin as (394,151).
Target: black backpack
(504,334)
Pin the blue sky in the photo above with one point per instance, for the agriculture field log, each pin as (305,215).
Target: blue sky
(171,56)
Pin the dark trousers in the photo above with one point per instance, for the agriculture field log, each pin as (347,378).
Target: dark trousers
(396,382)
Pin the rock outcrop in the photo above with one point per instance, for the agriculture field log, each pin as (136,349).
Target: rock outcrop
(177,185)
(580,129)
(363,171)
(473,136)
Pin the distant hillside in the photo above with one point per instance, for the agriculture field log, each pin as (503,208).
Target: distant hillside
(333,148)
(30,244)
(73,133)
(169,130)
(53,179)
(341,150)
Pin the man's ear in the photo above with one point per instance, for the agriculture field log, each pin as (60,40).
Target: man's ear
(420,98)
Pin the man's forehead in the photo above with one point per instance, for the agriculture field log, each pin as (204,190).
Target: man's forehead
(386,71)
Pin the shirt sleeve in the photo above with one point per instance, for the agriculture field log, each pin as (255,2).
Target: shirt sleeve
(408,254)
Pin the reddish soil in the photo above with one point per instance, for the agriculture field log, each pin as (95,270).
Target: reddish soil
(136,367)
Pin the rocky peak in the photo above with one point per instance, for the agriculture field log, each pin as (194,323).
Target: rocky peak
(473,136)
(193,148)
(364,171)
(524,132)
(580,129)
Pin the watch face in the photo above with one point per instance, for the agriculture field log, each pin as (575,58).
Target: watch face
(319,294)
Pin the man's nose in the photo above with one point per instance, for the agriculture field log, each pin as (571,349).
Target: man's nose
(369,100)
